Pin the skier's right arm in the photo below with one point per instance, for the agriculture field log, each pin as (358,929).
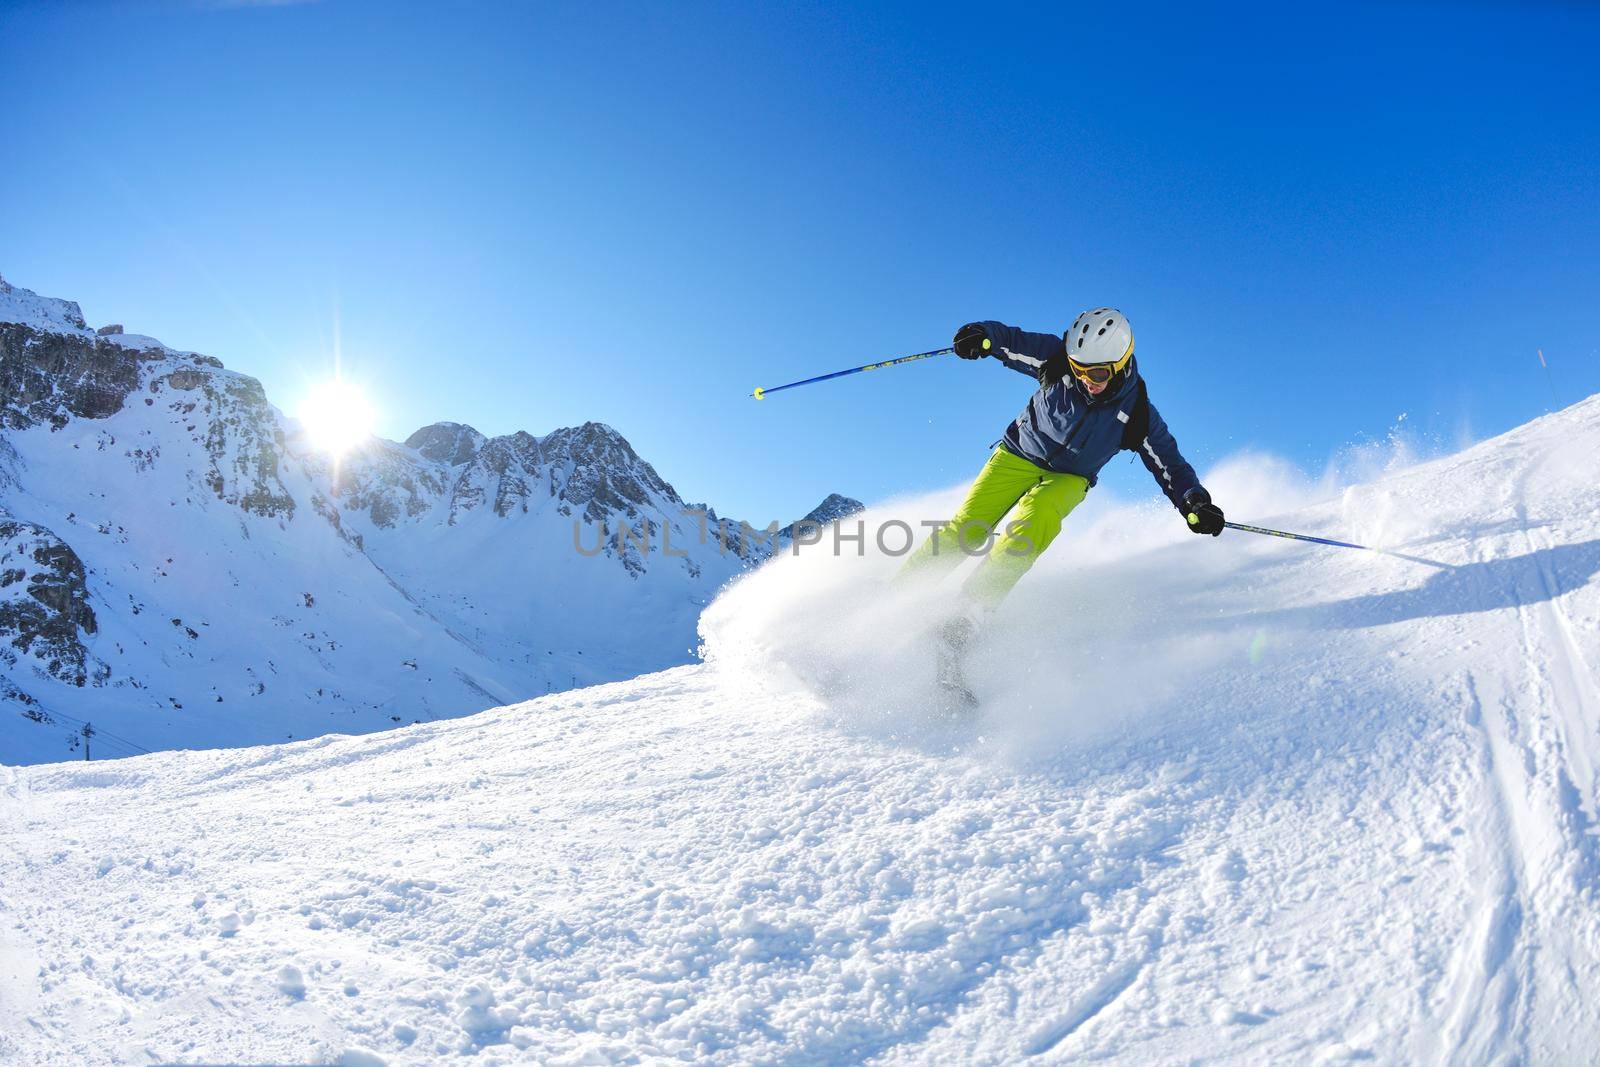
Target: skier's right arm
(1021,350)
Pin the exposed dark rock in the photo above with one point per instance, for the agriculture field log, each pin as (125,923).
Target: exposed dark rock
(324,507)
(44,601)
(387,482)
(185,378)
(24,701)
(244,443)
(514,461)
(51,377)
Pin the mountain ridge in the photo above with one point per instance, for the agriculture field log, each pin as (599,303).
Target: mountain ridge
(139,481)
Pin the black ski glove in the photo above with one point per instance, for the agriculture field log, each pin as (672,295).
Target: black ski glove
(1054,369)
(1204,516)
(972,341)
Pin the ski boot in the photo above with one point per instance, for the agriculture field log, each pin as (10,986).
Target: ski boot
(955,636)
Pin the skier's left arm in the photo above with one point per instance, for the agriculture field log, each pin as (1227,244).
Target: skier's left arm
(1024,351)
(1158,449)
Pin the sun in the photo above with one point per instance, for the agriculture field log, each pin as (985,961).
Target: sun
(337,416)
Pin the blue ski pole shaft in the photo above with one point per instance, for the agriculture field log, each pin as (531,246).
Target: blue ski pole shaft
(761,394)
(1337,544)
(1296,537)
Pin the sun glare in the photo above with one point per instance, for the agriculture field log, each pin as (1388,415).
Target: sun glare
(337,416)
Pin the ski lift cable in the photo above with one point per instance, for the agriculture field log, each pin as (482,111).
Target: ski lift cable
(115,739)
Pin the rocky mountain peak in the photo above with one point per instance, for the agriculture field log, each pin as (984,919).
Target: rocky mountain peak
(597,470)
(450,443)
(27,308)
(594,441)
(833,508)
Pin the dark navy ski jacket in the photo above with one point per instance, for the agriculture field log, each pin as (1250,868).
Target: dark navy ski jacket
(1065,429)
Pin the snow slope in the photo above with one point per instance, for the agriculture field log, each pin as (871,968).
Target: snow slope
(1235,801)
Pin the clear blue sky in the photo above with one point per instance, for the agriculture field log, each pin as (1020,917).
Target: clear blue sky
(523,216)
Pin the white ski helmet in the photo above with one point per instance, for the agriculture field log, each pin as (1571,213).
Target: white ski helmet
(1100,336)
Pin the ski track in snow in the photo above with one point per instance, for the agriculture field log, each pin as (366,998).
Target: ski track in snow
(1347,814)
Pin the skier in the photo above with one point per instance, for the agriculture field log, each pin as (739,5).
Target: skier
(1090,403)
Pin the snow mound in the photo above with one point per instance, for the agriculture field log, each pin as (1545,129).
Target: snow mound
(1346,811)
(139,342)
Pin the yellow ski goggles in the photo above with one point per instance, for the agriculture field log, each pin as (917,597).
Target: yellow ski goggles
(1099,373)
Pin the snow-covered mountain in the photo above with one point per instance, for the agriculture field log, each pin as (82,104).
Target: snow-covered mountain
(180,567)
(1230,801)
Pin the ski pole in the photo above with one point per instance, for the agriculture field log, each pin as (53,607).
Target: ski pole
(1336,544)
(1285,533)
(761,393)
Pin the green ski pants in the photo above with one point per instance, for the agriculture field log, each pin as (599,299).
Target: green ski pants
(1042,499)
